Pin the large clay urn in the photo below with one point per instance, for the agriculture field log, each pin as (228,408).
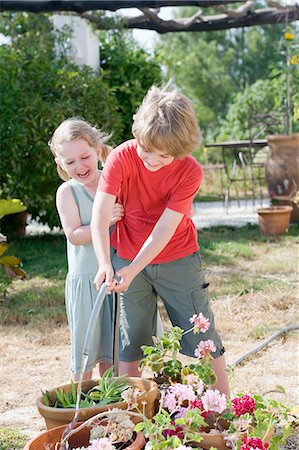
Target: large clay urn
(282,165)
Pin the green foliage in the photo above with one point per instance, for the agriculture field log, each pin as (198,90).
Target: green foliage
(129,71)
(39,90)
(11,439)
(10,265)
(107,391)
(162,359)
(219,66)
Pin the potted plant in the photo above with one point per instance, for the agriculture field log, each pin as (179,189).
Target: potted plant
(162,357)
(107,431)
(189,418)
(57,406)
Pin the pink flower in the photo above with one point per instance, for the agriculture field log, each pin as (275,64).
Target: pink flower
(204,348)
(101,444)
(169,402)
(176,395)
(201,323)
(253,443)
(212,400)
(243,405)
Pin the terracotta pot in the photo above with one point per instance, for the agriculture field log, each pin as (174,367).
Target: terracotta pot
(77,440)
(60,416)
(275,220)
(219,440)
(282,165)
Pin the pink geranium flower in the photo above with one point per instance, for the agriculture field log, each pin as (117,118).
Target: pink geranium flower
(201,323)
(204,348)
(212,400)
(243,405)
(101,444)
(176,395)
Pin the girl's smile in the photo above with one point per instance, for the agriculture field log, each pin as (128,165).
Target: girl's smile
(79,160)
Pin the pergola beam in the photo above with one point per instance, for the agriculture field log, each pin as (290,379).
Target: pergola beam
(248,14)
(37,6)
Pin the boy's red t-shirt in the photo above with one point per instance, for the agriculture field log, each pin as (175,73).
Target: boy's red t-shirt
(145,195)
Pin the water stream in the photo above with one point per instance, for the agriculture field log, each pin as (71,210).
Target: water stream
(64,445)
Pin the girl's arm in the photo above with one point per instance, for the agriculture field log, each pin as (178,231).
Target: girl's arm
(101,214)
(68,212)
(157,240)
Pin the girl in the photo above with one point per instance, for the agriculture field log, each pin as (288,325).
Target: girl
(77,147)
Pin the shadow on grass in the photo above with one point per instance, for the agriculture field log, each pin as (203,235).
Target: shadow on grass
(43,255)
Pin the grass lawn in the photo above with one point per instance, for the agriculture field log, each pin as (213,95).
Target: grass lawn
(254,292)
(242,260)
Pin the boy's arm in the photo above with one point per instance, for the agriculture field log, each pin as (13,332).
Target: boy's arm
(157,240)
(101,214)
(68,212)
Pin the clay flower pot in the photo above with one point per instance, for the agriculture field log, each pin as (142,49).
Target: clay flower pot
(49,438)
(275,220)
(221,440)
(60,416)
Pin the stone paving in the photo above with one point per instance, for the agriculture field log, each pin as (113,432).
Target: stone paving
(206,215)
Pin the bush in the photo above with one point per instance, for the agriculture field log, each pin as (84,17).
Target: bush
(129,71)
(38,91)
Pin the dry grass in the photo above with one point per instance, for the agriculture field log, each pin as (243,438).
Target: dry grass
(36,355)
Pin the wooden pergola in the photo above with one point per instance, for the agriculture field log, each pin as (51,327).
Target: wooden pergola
(211,15)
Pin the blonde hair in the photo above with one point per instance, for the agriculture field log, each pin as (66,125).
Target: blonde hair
(166,121)
(77,128)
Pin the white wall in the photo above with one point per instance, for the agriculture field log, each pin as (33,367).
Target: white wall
(84,43)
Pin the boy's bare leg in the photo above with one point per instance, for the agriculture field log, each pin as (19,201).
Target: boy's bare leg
(222,383)
(131,369)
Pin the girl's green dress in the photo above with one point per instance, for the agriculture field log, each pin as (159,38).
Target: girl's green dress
(80,293)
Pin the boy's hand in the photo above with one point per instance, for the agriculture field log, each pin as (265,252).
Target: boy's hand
(126,275)
(104,274)
(117,214)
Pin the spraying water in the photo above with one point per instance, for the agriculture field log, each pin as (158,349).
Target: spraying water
(85,353)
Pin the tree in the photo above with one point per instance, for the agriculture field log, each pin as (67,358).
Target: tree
(218,65)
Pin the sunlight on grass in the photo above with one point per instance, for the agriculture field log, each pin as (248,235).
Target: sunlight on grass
(237,261)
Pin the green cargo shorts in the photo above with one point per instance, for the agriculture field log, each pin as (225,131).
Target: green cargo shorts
(182,287)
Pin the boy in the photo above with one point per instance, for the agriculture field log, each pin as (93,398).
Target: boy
(157,252)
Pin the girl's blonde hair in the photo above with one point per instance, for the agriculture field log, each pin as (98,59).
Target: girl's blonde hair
(166,121)
(77,128)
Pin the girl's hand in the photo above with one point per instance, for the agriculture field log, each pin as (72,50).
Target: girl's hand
(104,274)
(118,213)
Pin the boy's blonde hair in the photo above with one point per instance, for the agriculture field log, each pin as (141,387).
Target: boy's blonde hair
(77,128)
(166,121)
